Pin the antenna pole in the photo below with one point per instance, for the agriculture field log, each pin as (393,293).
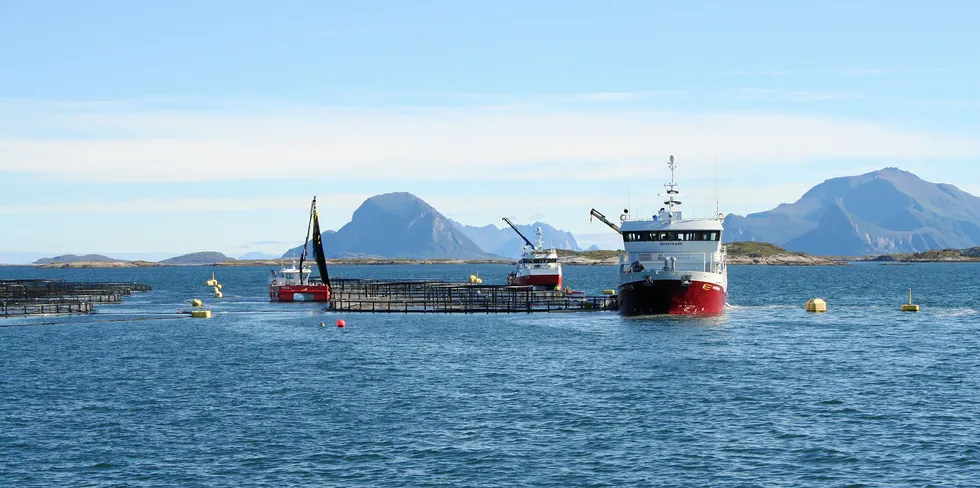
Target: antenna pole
(717,197)
(629,199)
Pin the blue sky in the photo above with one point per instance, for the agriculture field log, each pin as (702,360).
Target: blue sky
(154,129)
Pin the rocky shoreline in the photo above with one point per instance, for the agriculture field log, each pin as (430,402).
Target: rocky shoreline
(789,259)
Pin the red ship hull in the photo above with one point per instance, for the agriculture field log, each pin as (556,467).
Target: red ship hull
(299,293)
(550,281)
(671,297)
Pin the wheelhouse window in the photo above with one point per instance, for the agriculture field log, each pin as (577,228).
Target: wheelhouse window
(540,260)
(647,236)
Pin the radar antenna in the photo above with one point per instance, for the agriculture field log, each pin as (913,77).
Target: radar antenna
(671,188)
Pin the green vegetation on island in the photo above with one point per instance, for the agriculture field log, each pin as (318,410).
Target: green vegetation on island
(752,252)
(937,256)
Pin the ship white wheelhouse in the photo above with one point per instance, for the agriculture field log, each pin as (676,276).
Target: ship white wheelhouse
(686,250)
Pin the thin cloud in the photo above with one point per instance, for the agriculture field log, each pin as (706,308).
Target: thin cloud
(839,72)
(441,144)
(176,205)
(768,95)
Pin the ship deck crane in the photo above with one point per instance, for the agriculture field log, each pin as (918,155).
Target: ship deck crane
(512,226)
(595,213)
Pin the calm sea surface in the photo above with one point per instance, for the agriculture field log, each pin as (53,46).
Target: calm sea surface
(261,395)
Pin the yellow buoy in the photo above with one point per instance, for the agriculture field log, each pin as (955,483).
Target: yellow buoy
(473,278)
(608,292)
(909,307)
(201,314)
(217,293)
(816,305)
(196,302)
(212,281)
(479,281)
(218,285)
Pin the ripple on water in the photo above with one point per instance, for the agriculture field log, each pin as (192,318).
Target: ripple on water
(261,395)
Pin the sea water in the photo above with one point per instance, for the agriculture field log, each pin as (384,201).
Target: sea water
(262,395)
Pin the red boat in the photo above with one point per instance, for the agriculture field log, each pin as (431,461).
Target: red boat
(671,264)
(287,286)
(538,267)
(295,284)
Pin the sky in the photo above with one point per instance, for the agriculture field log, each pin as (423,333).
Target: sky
(152,129)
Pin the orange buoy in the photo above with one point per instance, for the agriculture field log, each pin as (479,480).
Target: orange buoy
(341,323)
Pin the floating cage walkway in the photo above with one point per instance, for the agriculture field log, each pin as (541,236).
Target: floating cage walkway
(422,296)
(43,297)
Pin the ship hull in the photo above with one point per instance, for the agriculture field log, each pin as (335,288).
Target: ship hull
(549,281)
(299,293)
(659,297)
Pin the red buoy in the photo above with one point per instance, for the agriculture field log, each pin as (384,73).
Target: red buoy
(341,323)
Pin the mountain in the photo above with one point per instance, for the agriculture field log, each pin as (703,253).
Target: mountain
(197,258)
(593,248)
(505,242)
(397,225)
(885,211)
(72,258)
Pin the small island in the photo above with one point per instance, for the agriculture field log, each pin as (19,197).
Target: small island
(773,255)
(738,253)
(970,255)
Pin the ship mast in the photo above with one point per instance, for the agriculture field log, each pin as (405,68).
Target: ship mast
(671,190)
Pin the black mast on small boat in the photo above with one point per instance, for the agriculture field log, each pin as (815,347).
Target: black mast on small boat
(306,243)
(321,259)
(512,226)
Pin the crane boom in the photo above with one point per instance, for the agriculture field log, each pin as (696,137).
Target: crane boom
(595,213)
(512,226)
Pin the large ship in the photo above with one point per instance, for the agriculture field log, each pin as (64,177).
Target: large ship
(538,267)
(295,284)
(671,264)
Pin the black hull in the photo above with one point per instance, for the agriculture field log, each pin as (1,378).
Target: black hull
(670,297)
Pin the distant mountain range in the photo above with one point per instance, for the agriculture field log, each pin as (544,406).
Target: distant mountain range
(505,242)
(194,258)
(885,211)
(73,258)
(397,225)
(882,212)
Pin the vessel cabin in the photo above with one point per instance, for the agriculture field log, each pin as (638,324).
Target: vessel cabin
(291,276)
(550,261)
(671,235)
(688,245)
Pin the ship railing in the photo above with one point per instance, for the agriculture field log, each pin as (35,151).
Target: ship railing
(686,261)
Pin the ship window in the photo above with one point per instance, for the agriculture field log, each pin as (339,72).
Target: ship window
(714,236)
